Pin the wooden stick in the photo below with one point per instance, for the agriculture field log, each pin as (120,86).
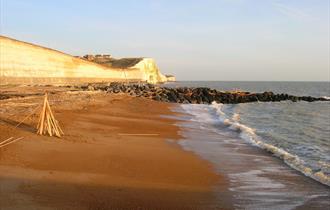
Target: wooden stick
(11,142)
(28,117)
(42,117)
(44,122)
(138,134)
(49,128)
(47,122)
(55,121)
(55,127)
(41,128)
(7,140)
(61,130)
(57,133)
(59,127)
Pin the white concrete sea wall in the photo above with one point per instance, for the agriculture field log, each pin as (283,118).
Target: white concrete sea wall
(25,63)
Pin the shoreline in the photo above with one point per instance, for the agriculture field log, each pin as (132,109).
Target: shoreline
(93,167)
(257,179)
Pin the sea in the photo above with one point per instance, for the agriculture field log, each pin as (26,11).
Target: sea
(275,155)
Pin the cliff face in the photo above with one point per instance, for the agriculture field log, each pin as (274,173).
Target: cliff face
(24,63)
(147,66)
(150,71)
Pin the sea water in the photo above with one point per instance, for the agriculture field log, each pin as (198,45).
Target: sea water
(254,143)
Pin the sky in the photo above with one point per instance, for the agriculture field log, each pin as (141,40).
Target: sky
(237,40)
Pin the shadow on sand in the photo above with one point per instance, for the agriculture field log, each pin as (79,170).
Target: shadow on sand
(17,193)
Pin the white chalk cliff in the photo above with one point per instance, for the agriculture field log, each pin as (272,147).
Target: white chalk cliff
(25,63)
(150,71)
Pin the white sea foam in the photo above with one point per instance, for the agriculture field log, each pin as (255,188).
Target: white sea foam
(247,133)
(236,117)
(326,97)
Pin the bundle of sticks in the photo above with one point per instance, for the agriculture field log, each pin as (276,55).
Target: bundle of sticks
(9,141)
(47,123)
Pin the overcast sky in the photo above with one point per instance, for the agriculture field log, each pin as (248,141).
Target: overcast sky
(281,40)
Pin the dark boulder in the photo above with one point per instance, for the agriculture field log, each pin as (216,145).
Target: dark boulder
(172,96)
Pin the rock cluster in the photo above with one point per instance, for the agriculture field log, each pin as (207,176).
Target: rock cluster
(199,95)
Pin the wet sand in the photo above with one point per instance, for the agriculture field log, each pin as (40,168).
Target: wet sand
(98,164)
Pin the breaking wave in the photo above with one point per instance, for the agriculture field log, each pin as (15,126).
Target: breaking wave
(249,135)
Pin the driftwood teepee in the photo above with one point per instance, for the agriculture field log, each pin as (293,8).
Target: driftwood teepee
(47,123)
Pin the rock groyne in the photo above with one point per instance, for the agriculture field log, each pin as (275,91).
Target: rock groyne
(198,95)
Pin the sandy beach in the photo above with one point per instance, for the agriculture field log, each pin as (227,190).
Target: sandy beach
(164,105)
(118,152)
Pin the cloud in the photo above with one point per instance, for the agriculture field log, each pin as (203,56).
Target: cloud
(293,12)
